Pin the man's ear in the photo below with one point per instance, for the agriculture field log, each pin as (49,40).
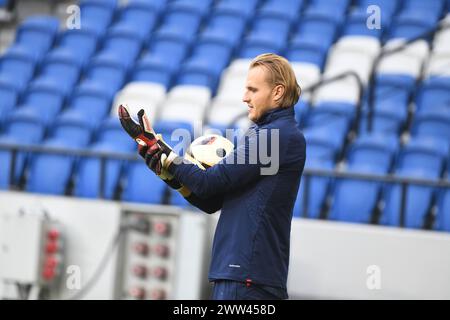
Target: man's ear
(278,92)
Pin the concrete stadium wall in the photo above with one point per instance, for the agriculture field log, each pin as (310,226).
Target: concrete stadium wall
(329,260)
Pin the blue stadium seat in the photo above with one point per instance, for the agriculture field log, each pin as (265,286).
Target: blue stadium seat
(62,67)
(318,26)
(388,118)
(37,33)
(97,14)
(111,130)
(434,92)
(356,25)
(287,9)
(333,117)
(301,110)
(321,154)
(411,24)
(225,28)
(314,35)
(420,158)
(200,7)
(123,41)
(240,8)
(44,99)
(433,123)
(140,16)
(370,154)
(108,71)
(268,34)
(205,64)
(338,6)
(432,7)
(142,185)
(22,127)
(182,22)
(88,172)
(18,65)
(8,97)
(387,7)
(443,212)
(92,101)
(50,173)
(72,128)
(163,59)
(319,187)
(81,42)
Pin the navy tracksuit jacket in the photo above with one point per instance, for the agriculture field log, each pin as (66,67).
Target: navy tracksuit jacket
(252,238)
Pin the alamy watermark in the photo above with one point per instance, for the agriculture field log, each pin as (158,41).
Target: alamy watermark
(74,19)
(374,19)
(258,147)
(373,281)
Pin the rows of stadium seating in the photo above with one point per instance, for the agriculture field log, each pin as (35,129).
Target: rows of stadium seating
(185,62)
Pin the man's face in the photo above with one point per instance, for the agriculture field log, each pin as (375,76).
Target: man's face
(258,94)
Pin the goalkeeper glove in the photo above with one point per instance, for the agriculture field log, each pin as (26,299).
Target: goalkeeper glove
(149,143)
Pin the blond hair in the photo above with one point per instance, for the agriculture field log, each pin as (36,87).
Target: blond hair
(280,73)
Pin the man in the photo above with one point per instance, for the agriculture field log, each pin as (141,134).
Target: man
(250,253)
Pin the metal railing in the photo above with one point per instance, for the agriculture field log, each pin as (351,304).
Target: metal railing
(83,153)
(307,173)
(389,178)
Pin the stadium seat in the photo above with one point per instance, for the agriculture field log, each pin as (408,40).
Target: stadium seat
(369,154)
(140,95)
(72,128)
(434,92)
(92,101)
(124,42)
(61,67)
(410,24)
(356,24)
(408,61)
(82,43)
(321,155)
(18,65)
(8,97)
(37,33)
(97,14)
(50,173)
(140,16)
(443,213)
(87,176)
(269,34)
(107,71)
(244,9)
(420,158)
(44,99)
(334,117)
(225,28)
(288,9)
(433,123)
(22,127)
(182,21)
(110,130)
(438,63)
(142,185)
(204,66)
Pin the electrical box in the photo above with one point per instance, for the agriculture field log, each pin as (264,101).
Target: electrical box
(163,255)
(31,249)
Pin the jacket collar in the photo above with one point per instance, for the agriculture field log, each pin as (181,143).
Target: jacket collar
(274,114)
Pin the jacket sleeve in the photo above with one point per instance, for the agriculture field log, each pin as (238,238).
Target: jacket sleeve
(209,205)
(237,170)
